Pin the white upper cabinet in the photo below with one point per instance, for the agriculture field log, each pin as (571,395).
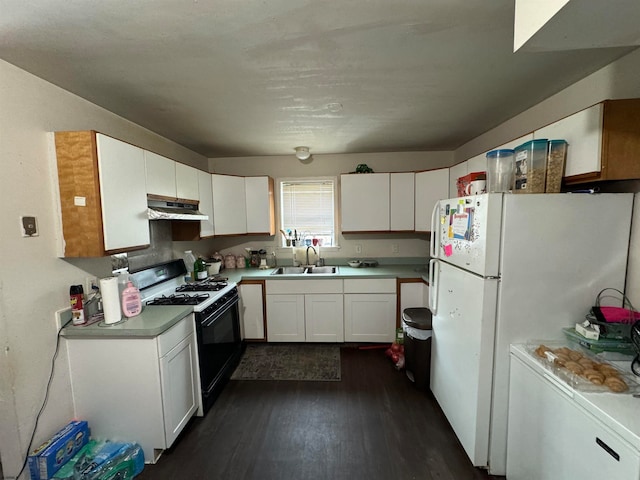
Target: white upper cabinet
(583,133)
(365,202)
(161,175)
(402,201)
(431,186)
(260,205)
(123,194)
(477,163)
(186,182)
(205,190)
(516,142)
(603,141)
(455,172)
(229,205)
(168,178)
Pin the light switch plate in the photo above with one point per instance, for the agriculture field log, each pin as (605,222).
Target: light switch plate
(29,226)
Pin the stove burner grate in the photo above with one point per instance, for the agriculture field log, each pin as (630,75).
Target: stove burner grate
(211,286)
(179,299)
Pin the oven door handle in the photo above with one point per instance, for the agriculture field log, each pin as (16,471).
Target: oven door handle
(211,320)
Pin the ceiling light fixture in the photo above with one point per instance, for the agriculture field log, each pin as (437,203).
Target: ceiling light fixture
(334,107)
(302,153)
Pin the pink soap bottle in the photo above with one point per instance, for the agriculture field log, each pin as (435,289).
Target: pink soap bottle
(131,303)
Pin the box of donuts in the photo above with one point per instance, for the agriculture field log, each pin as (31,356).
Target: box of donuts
(582,370)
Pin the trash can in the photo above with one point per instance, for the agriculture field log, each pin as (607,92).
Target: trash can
(417,331)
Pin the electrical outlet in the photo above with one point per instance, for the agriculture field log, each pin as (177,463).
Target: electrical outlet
(358,249)
(62,317)
(395,248)
(89,283)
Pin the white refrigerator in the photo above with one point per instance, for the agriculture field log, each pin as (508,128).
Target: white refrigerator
(508,268)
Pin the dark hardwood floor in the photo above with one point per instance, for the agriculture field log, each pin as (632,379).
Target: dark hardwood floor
(371,425)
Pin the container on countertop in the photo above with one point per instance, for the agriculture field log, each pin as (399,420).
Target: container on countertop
(76,299)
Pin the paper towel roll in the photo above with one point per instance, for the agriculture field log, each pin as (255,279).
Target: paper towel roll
(110,300)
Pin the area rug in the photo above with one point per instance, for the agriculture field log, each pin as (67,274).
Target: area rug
(308,362)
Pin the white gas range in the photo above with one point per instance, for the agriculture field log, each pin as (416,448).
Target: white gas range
(217,320)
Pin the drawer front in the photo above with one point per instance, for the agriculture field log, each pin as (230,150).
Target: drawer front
(177,333)
(303,285)
(370,285)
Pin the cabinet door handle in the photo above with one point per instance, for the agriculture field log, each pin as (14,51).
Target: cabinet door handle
(608,449)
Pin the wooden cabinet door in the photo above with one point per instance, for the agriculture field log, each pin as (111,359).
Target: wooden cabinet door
(260,205)
(229,205)
(402,201)
(365,202)
(252,310)
(431,186)
(161,175)
(187,182)
(369,317)
(205,190)
(123,194)
(324,318)
(285,318)
(179,387)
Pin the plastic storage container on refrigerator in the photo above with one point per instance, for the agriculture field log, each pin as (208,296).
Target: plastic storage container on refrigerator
(556,156)
(500,171)
(531,166)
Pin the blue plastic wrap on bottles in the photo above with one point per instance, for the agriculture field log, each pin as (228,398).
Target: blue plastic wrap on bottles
(104,460)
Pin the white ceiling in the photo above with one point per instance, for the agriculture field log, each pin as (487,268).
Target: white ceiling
(255,77)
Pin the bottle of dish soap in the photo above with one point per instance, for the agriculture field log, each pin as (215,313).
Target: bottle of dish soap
(131,303)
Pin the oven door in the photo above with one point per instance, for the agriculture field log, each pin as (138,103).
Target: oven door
(219,346)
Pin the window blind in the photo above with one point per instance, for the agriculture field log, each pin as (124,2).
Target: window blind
(308,207)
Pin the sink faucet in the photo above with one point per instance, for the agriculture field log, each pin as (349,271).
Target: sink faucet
(314,251)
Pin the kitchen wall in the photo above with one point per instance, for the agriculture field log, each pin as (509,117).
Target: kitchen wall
(34,283)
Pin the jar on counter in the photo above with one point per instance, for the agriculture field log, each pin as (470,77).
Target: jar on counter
(241,261)
(229,261)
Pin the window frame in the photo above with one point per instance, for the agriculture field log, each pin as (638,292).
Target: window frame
(278,207)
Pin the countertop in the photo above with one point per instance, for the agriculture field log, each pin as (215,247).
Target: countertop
(619,411)
(150,323)
(156,319)
(344,271)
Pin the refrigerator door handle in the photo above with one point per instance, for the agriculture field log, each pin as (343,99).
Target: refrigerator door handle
(433,286)
(435,232)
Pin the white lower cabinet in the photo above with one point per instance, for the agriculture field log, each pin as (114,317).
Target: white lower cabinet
(324,318)
(304,310)
(369,317)
(252,310)
(135,389)
(370,310)
(552,437)
(285,318)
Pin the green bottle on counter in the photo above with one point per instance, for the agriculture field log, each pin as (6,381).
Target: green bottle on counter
(199,270)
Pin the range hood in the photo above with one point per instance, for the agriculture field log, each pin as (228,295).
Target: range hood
(170,210)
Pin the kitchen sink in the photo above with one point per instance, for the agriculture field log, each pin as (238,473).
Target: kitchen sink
(320,270)
(288,271)
(305,271)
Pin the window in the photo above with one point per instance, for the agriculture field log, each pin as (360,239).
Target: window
(308,207)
